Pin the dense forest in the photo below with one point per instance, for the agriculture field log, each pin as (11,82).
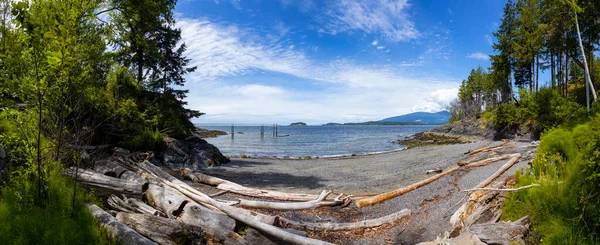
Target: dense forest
(557,38)
(75,74)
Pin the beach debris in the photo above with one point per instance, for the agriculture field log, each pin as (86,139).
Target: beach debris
(482,205)
(172,211)
(472,152)
(437,171)
(227,185)
(159,229)
(318,202)
(370,223)
(369,201)
(119,231)
(502,232)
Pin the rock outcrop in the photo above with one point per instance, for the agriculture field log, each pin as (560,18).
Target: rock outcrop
(193,152)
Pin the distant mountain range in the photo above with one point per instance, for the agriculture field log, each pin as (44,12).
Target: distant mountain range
(441,117)
(415,118)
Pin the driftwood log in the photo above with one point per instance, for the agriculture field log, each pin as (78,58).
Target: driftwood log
(118,231)
(157,175)
(227,185)
(503,233)
(473,152)
(218,226)
(491,160)
(132,205)
(388,219)
(161,230)
(369,201)
(482,206)
(506,166)
(288,206)
(101,181)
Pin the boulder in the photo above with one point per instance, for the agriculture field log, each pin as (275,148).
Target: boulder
(193,152)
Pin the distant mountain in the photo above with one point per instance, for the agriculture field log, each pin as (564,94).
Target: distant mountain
(441,117)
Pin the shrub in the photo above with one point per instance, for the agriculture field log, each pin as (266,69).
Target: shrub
(541,111)
(565,209)
(56,221)
(146,140)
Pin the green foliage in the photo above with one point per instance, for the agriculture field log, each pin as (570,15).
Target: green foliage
(56,222)
(145,140)
(565,208)
(543,110)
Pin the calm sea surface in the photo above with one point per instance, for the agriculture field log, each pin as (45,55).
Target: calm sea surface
(312,140)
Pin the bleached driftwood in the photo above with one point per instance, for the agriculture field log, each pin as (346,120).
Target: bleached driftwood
(506,166)
(501,189)
(155,174)
(481,205)
(131,205)
(97,180)
(227,185)
(490,160)
(218,226)
(472,152)
(370,223)
(161,230)
(319,202)
(369,201)
(504,233)
(118,231)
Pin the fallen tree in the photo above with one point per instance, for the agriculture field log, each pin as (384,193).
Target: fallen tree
(369,201)
(482,206)
(227,185)
(155,175)
(121,233)
(473,152)
(319,202)
(104,182)
(370,223)
(161,230)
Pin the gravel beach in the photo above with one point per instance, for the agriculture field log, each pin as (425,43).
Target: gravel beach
(431,205)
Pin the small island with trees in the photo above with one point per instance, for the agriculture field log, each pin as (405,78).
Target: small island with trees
(298,124)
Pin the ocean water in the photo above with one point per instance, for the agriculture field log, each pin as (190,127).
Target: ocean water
(313,141)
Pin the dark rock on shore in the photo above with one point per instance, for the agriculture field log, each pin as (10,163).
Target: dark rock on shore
(432,138)
(208,133)
(470,128)
(193,152)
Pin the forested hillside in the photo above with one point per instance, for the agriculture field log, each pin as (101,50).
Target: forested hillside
(557,38)
(75,73)
(554,37)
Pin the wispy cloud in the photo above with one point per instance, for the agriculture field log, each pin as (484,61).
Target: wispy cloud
(348,90)
(386,18)
(478,56)
(489,39)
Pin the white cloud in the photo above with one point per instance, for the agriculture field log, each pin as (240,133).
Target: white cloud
(437,100)
(478,56)
(374,43)
(347,91)
(380,47)
(386,18)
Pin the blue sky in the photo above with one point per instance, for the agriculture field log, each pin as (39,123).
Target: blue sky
(280,61)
